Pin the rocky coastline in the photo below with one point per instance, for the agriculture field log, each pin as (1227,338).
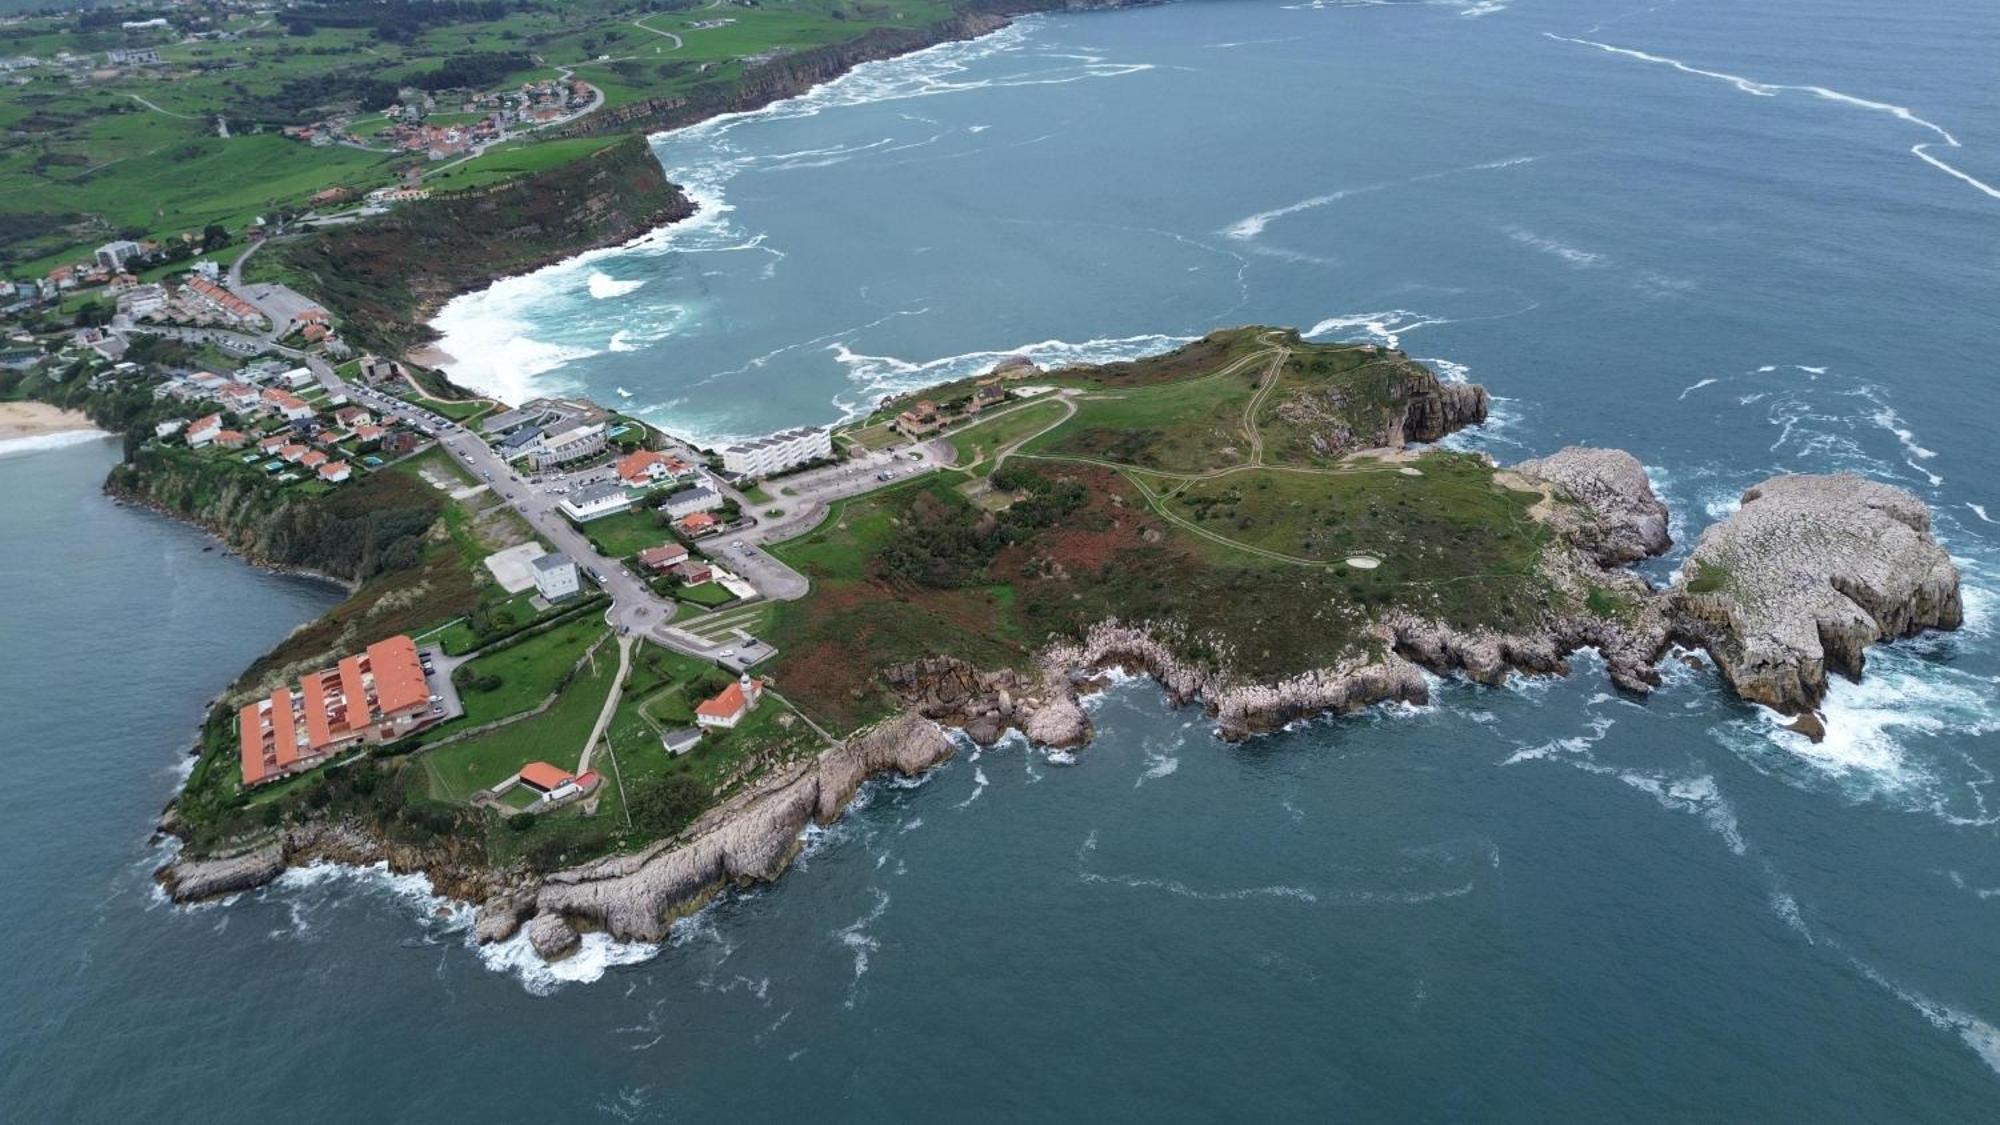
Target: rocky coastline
(1817,568)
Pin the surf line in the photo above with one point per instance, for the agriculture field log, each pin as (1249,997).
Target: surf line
(1771,90)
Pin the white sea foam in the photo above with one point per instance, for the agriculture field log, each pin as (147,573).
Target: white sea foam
(1575,744)
(1980,511)
(1385,327)
(1883,734)
(1251,226)
(1693,387)
(1982,1037)
(1556,247)
(1771,90)
(603,286)
(1698,795)
(978,787)
(596,954)
(859,942)
(1787,909)
(36,443)
(873,376)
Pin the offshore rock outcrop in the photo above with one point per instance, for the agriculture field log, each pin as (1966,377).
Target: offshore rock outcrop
(1808,573)
(751,838)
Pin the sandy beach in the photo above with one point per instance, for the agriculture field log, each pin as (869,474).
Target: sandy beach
(39,419)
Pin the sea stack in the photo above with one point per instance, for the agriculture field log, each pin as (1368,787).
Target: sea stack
(1808,573)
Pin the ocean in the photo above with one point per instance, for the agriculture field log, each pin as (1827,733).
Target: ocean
(1734,239)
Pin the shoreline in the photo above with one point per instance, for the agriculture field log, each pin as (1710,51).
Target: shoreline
(27,427)
(953,32)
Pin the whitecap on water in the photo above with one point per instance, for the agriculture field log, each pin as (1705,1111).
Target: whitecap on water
(603,286)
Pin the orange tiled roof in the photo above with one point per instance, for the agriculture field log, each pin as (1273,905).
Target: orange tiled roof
(544,776)
(730,702)
(399,678)
(319,726)
(633,466)
(250,738)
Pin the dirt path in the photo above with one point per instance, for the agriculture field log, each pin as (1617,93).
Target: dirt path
(611,701)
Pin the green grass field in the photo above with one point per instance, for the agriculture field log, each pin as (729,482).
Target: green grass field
(626,533)
(527,670)
(981,440)
(557,735)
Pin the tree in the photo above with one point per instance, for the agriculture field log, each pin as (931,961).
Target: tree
(214,236)
(663,806)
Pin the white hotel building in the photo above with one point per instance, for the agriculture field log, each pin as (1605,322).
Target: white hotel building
(774,453)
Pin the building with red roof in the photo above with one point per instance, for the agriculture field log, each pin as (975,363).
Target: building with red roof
(647,467)
(663,557)
(333,472)
(377,695)
(699,523)
(728,708)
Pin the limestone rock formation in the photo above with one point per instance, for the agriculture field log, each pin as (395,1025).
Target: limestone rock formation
(1808,573)
(552,936)
(191,880)
(751,837)
(1615,518)
(1437,409)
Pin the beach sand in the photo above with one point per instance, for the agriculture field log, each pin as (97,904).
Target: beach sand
(38,419)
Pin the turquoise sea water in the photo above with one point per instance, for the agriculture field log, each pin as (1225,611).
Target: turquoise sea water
(1533,902)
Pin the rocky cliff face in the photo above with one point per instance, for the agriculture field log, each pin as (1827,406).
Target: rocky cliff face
(1436,409)
(1808,573)
(753,837)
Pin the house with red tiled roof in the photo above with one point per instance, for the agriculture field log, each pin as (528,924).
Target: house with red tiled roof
(366,434)
(294,452)
(735,701)
(333,472)
(290,406)
(662,557)
(204,430)
(232,439)
(648,467)
(698,524)
(274,443)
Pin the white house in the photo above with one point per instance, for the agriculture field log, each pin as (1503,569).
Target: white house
(774,453)
(297,377)
(288,405)
(204,430)
(556,577)
(688,501)
(172,426)
(596,500)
